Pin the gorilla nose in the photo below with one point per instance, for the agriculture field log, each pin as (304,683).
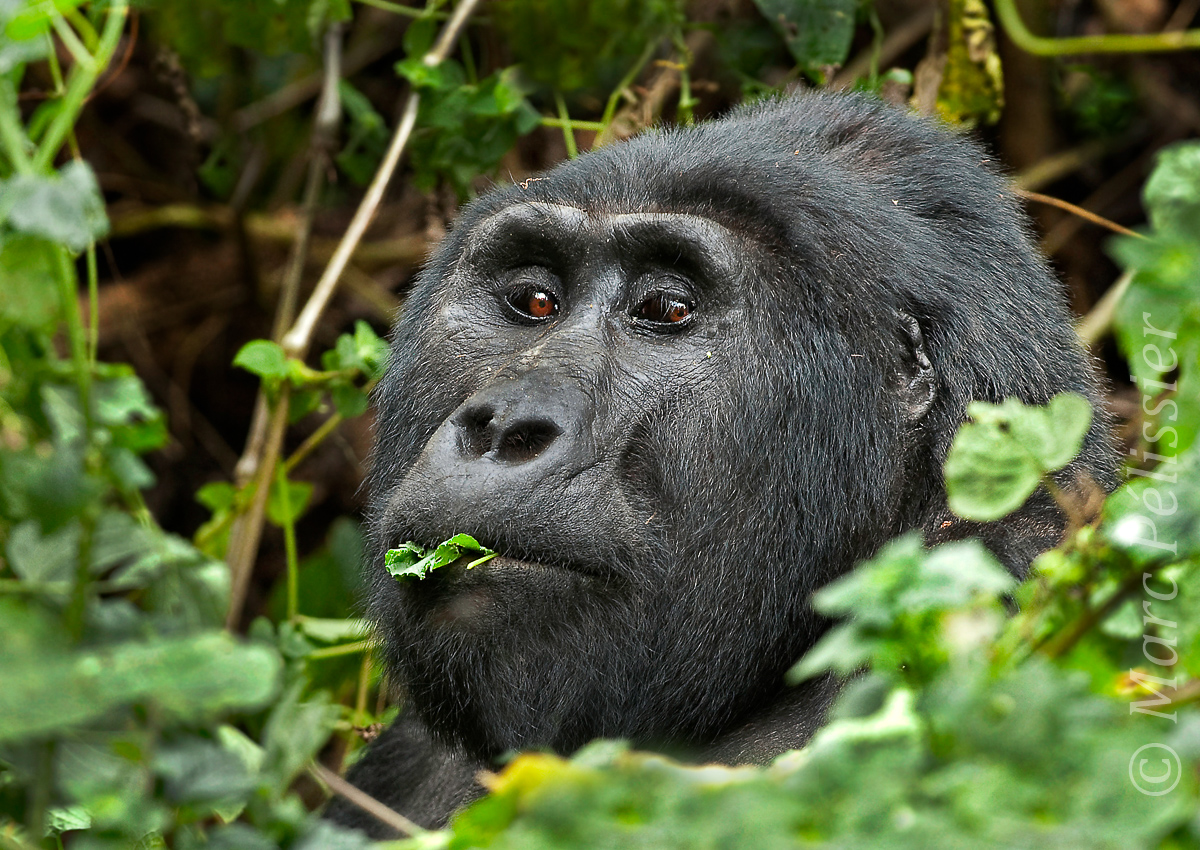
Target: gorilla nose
(506,432)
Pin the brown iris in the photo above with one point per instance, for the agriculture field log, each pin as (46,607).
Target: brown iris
(540,304)
(663,309)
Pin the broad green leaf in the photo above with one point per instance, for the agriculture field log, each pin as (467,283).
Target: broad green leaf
(38,557)
(325,835)
(1172,194)
(349,400)
(896,603)
(67,208)
(117,539)
(21,43)
(997,460)
(29,290)
(298,494)
(817,32)
(264,358)
(1154,518)
(197,770)
(186,678)
(294,732)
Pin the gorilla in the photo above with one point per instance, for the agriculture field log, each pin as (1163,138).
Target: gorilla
(679,384)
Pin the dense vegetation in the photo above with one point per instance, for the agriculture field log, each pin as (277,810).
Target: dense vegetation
(174,179)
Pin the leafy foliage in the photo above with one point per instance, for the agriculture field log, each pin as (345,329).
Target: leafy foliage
(1158,320)
(582,45)
(1000,457)
(466,124)
(956,735)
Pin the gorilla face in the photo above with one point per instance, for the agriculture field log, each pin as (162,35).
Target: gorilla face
(678,385)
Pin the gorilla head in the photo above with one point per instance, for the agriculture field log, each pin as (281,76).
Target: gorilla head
(679,384)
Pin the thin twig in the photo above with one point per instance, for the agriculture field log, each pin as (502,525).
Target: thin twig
(314,439)
(1087,215)
(297,340)
(365,801)
(246,531)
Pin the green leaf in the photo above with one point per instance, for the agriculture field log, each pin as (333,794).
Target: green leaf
(68,208)
(264,358)
(38,557)
(817,32)
(411,560)
(998,460)
(293,734)
(424,76)
(195,770)
(29,280)
(1155,517)
(186,678)
(349,400)
(217,496)
(1172,194)
(298,493)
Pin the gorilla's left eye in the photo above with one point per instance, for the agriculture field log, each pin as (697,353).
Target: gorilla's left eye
(664,309)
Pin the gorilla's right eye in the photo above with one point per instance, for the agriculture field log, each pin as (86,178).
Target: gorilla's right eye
(532,302)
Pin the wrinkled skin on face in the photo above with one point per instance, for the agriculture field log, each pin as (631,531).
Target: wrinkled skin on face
(679,384)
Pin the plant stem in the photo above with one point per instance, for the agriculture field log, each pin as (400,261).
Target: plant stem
(595,126)
(565,122)
(344,649)
(365,801)
(297,340)
(289,544)
(93,284)
(314,439)
(83,77)
(246,531)
(12,134)
(364,687)
(686,101)
(1085,214)
(1100,318)
(610,108)
(1006,11)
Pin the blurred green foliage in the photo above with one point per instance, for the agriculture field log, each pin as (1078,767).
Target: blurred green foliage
(583,46)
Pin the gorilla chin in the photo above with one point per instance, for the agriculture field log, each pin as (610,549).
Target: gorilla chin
(679,384)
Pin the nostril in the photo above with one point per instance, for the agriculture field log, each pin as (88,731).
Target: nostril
(475,430)
(526,440)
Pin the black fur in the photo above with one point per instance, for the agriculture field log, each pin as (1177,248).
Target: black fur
(667,502)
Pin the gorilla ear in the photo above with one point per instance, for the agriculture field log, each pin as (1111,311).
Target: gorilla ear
(916,381)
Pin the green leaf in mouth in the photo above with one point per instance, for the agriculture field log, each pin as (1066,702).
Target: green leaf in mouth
(412,560)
